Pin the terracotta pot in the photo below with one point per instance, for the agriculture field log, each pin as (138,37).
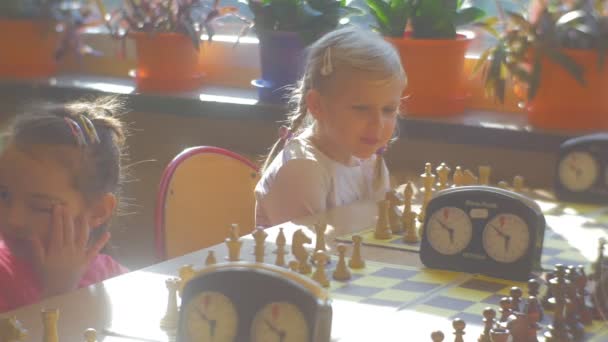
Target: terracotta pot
(166,62)
(562,103)
(436,82)
(28,49)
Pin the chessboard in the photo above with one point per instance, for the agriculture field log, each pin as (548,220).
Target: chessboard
(467,300)
(565,222)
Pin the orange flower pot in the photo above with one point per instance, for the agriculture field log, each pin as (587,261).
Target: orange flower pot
(28,49)
(436,82)
(166,62)
(562,103)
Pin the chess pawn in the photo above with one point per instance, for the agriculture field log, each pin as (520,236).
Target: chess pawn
(533,311)
(505,308)
(428,179)
(516,294)
(280,251)
(394,219)
(341,272)
(581,285)
(210,260)
(503,185)
(234,244)
(356,261)
(408,217)
(489,320)
(437,336)
(533,289)
(186,273)
(383,230)
(457,177)
(90,335)
(443,173)
(169,321)
(458,325)
(518,183)
(294,265)
(50,317)
(320,258)
(484,175)
(259,236)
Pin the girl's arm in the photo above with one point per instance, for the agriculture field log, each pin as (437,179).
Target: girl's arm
(299,189)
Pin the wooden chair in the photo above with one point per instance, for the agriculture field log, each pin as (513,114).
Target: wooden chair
(202,192)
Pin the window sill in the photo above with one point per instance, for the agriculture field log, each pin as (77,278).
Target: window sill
(474,127)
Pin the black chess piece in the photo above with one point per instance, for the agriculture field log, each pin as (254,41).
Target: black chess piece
(437,336)
(505,308)
(489,320)
(586,315)
(572,314)
(516,294)
(459,325)
(558,329)
(533,290)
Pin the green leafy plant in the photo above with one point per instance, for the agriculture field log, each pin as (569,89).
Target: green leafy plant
(189,17)
(71,17)
(428,19)
(544,32)
(310,18)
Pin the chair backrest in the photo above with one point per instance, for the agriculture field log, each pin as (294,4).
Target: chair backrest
(202,192)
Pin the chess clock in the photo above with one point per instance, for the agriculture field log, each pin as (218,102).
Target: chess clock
(482,229)
(242,301)
(582,169)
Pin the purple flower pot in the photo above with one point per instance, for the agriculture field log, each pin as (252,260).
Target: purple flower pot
(281,59)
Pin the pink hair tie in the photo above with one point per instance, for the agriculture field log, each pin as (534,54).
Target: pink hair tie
(285,133)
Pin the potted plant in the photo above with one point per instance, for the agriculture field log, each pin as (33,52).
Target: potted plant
(555,55)
(38,33)
(432,51)
(167,36)
(284,28)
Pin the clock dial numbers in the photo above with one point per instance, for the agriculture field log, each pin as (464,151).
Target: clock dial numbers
(449,230)
(279,322)
(506,238)
(211,316)
(578,171)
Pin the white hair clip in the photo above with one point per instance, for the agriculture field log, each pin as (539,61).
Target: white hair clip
(326,67)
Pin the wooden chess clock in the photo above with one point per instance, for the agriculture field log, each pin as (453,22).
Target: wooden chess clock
(242,301)
(482,229)
(582,169)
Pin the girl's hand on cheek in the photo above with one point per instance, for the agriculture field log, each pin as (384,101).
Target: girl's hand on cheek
(63,259)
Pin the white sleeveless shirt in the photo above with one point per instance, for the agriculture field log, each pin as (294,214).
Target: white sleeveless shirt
(302,181)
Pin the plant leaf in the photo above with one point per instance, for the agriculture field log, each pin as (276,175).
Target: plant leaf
(534,77)
(481,61)
(519,20)
(380,10)
(568,63)
(468,15)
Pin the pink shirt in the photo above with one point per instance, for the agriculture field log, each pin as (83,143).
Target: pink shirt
(19,285)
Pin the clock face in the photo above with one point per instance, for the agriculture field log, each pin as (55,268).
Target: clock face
(506,238)
(279,322)
(449,230)
(578,171)
(211,316)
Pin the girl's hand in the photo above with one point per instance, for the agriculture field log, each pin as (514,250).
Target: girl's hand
(66,256)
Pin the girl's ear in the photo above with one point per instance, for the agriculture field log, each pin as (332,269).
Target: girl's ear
(102,210)
(313,103)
